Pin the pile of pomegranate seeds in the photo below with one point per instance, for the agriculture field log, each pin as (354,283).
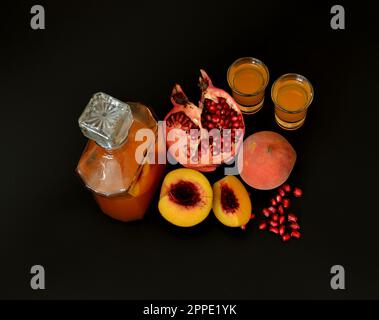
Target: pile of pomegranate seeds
(278,219)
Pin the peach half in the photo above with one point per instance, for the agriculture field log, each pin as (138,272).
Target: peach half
(186,197)
(231,202)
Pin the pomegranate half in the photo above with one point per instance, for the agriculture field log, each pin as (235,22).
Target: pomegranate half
(213,132)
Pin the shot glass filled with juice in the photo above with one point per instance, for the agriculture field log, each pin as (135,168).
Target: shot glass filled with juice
(248,78)
(292,94)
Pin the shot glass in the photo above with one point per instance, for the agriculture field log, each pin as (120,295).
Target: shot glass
(292,94)
(248,78)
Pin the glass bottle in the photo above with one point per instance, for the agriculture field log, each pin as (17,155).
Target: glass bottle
(122,183)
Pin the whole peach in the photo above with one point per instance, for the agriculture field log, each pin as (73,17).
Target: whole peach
(268,159)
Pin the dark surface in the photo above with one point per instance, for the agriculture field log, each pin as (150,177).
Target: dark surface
(138,50)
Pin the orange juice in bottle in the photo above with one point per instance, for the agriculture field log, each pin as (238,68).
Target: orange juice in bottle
(122,184)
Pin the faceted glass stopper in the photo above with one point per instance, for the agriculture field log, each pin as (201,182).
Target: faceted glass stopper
(106,120)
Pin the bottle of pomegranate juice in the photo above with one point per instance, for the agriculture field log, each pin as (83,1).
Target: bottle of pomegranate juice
(123,185)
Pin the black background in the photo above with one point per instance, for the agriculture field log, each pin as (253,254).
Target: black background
(137,51)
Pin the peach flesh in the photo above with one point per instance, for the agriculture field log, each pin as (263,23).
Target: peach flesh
(231,202)
(186,197)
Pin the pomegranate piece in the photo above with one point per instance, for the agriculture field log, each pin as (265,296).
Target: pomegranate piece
(279,198)
(217,110)
(282,229)
(286,237)
(273,223)
(274,230)
(266,212)
(272,209)
(262,226)
(281,210)
(281,192)
(292,217)
(294,226)
(273,202)
(287,188)
(297,192)
(286,203)
(295,234)
(282,219)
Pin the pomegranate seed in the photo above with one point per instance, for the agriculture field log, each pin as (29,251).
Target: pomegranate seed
(281,210)
(272,209)
(210,125)
(294,226)
(236,125)
(274,230)
(275,217)
(286,187)
(274,223)
(234,119)
(212,109)
(297,192)
(282,219)
(286,237)
(262,226)
(286,203)
(243,227)
(282,229)
(295,234)
(279,198)
(281,192)
(266,212)
(252,216)
(215,119)
(273,202)
(292,217)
